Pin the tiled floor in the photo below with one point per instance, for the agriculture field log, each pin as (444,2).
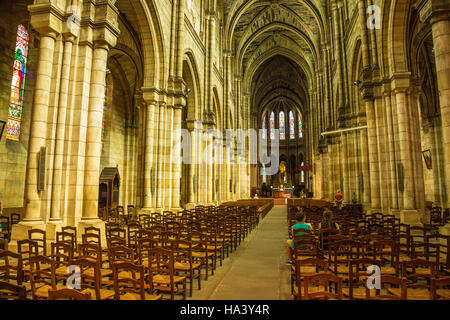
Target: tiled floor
(257,270)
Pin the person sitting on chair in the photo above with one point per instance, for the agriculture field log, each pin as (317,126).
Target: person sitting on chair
(299,224)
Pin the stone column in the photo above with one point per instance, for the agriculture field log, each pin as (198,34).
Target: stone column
(176,167)
(39,125)
(149,156)
(405,149)
(440,21)
(55,215)
(94,131)
(160,153)
(391,152)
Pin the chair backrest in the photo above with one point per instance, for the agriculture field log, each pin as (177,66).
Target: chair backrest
(67,238)
(15,218)
(27,248)
(162,263)
(388,281)
(121,254)
(116,232)
(131,279)
(91,252)
(62,253)
(92,238)
(88,280)
(11,268)
(11,291)
(133,232)
(410,273)
(42,273)
(72,230)
(324,280)
(40,237)
(358,272)
(115,241)
(68,294)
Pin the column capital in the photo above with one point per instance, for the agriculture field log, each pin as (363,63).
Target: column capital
(47,19)
(432,11)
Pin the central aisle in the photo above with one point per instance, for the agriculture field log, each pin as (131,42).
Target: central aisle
(256,270)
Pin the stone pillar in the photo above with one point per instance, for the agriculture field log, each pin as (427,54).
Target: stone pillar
(39,125)
(94,131)
(160,153)
(176,167)
(391,152)
(56,209)
(440,21)
(149,156)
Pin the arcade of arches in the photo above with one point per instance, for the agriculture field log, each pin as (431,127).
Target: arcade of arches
(107,83)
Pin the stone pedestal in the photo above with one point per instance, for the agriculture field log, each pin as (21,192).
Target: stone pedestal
(20,230)
(411,217)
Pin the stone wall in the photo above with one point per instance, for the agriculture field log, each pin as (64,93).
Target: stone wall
(13,154)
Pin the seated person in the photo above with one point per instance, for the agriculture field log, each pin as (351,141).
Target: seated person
(328,223)
(300,224)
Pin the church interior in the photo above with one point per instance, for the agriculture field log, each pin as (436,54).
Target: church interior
(131,141)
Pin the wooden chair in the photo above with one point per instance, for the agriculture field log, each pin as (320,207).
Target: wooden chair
(325,290)
(27,249)
(40,237)
(444,292)
(387,252)
(131,286)
(15,218)
(5,229)
(162,273)
(62,255)
(92,252)
(42,279)
(72,230)
(90,278)
(9,291)
(201,253)
(306,267)
(11,268)
(133,232)
(184,263)
(340,255)
(68,294)
(67,238)
(358,276)
(388,283)
(418,274)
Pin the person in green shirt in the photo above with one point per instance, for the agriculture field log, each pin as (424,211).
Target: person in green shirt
(299,224)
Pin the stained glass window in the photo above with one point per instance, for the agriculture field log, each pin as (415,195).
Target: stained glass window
(272,126)
(264,129)
(282,126)
(300,127)
(291,125)
(17,85)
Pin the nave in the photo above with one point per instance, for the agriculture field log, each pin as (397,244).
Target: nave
(234,252)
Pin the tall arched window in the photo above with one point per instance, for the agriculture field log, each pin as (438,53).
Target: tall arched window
(291,125)
(282,126)
(17,84)
(300,126)
(272,126)
(264,129)
(303,174)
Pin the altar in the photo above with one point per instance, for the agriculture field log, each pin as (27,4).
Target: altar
(282,193)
